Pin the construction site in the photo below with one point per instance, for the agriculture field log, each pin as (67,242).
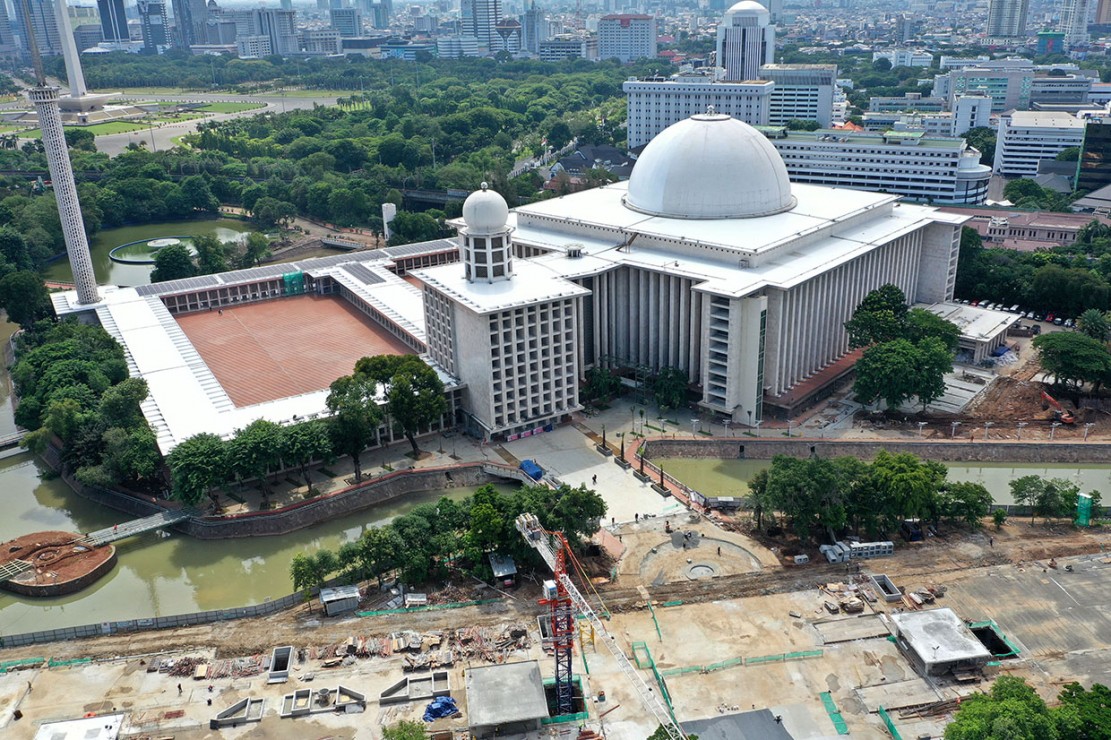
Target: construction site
(701,629)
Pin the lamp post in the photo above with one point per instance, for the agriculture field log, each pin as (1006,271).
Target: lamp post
(1087,429)
(987,425)
(622,436)
(694,427)
(758,423)
(1021,424)
(953,429)
(921,426)
(790,424)
(1053,429)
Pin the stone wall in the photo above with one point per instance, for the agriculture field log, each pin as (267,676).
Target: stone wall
(338,504)
(956,451)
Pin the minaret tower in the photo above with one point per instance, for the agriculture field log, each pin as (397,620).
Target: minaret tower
(45,99)
(487,253)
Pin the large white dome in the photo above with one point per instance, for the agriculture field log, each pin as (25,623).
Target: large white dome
(710,166)
(485,211)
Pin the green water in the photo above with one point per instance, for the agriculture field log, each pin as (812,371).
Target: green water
(155,576)
(714,477)
(113,273)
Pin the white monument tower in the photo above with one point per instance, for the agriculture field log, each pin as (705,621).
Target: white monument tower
(45,99)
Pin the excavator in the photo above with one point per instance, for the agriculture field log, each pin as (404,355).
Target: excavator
(1060,413)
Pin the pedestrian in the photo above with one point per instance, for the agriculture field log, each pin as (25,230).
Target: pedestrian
(613,520)
(594,480)
(636,517)
(684,544)
(115,528)
(719,551)
(779,719)
(221,312)
(179,689)
(28,687)
(991,542)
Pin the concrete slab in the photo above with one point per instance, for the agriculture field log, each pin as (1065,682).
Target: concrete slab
(505,694)
(896,695)
(856,628)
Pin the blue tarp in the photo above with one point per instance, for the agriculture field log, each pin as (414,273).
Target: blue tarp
(441,706)
(532,470)
(1000,350)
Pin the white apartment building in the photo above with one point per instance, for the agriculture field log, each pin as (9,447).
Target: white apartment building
(348,21)
(323,41)
(802,92)
(1074,22)
(454,47)
(1009,83)
(654,104)
(253,47)
(568,46)
(1027,137)
(905,57)
(1057,89)
(746,41)
(626,37)
(479,18)
(1006,18)
(942,170)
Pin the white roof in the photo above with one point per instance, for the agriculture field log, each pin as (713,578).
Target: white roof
(939,636)
(710,167)
(1045,119)
(100,727)
(976,324)
(532,282)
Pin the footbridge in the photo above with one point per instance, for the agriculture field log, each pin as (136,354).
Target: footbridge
(13,568)
(136,527)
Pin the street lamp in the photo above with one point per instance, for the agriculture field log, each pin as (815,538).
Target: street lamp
(921,426)
(694,427)
(757,425)
(790,424)
(953,429)
(1087,429)
(1021,424)
(987,425)
(1053,429)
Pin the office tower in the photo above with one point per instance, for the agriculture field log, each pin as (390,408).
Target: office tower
(746,41)
(1103,12)
(113,20)
(190,19)
(626,37)
(534,29)
(38,19)
(480,19)
(802,92)
(348,21)
(152,20)
(1007,18)
(7,40)
(1074,22)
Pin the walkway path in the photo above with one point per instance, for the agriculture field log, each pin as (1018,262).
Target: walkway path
(136,526)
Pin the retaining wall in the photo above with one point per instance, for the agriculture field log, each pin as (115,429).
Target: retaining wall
(956,451)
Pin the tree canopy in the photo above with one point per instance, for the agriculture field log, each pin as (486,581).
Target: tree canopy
(1012,710)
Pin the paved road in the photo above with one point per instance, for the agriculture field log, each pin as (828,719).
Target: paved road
(162,137)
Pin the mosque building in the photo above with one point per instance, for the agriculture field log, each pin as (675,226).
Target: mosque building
(708,260)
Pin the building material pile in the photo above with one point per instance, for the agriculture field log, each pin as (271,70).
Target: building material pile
(184,667)
(429,650)
(237,667)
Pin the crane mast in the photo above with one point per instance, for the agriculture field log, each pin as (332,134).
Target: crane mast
(555,556)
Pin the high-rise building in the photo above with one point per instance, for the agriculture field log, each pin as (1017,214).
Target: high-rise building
(280,26)
(42,22)
(509,36)
(1094,171)
(1007,18)
(348,21)
(1074,22)
(7,40)
(1103,12)
(152,21)
(746,40)
(655,104)
(534,29)
(113,20)
(480,19)
(1028,137)
(626,37)
(802,92)
(287,4)
(190,22)
(1008,82)
(87,35)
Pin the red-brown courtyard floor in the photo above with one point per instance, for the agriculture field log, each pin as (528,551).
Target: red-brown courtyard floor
(264,351)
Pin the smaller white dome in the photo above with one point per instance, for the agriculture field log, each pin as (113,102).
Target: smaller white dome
(485,211)
(748,7)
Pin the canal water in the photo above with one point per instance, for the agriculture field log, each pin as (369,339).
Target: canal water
(114,273)
(716,477)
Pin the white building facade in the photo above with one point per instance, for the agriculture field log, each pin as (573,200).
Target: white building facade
(932,169)
(653,105)
(1027,137)
(626,37)
(802,92)
(746,41)
(905,57)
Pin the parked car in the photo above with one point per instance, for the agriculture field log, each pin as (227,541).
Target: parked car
(1014,309)
(1039,317)
(1049,318)
(1069,323)
(1058,321)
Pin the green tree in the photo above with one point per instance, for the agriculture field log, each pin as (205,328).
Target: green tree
(120,404)
(922,324)
(600,384)
(79,138)
(312,571)
(24,298)
(1023,189)
(660,734)
(1095,324)
(982,138)
(198,465)
(1068,154)
(378,551)
(965,502)
(258,249)
(669,388)
(880,317)
(1073,357)
(887,371)
(269,212)
(1012,711)
(211,255)
(799,124)
(998,518)
(1091,708)
(404,730)
(172,263)
(304,442)
(415,398)
(255,450)
(353,426)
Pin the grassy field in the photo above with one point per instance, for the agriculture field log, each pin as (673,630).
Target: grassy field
(229,107)
(97,129)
